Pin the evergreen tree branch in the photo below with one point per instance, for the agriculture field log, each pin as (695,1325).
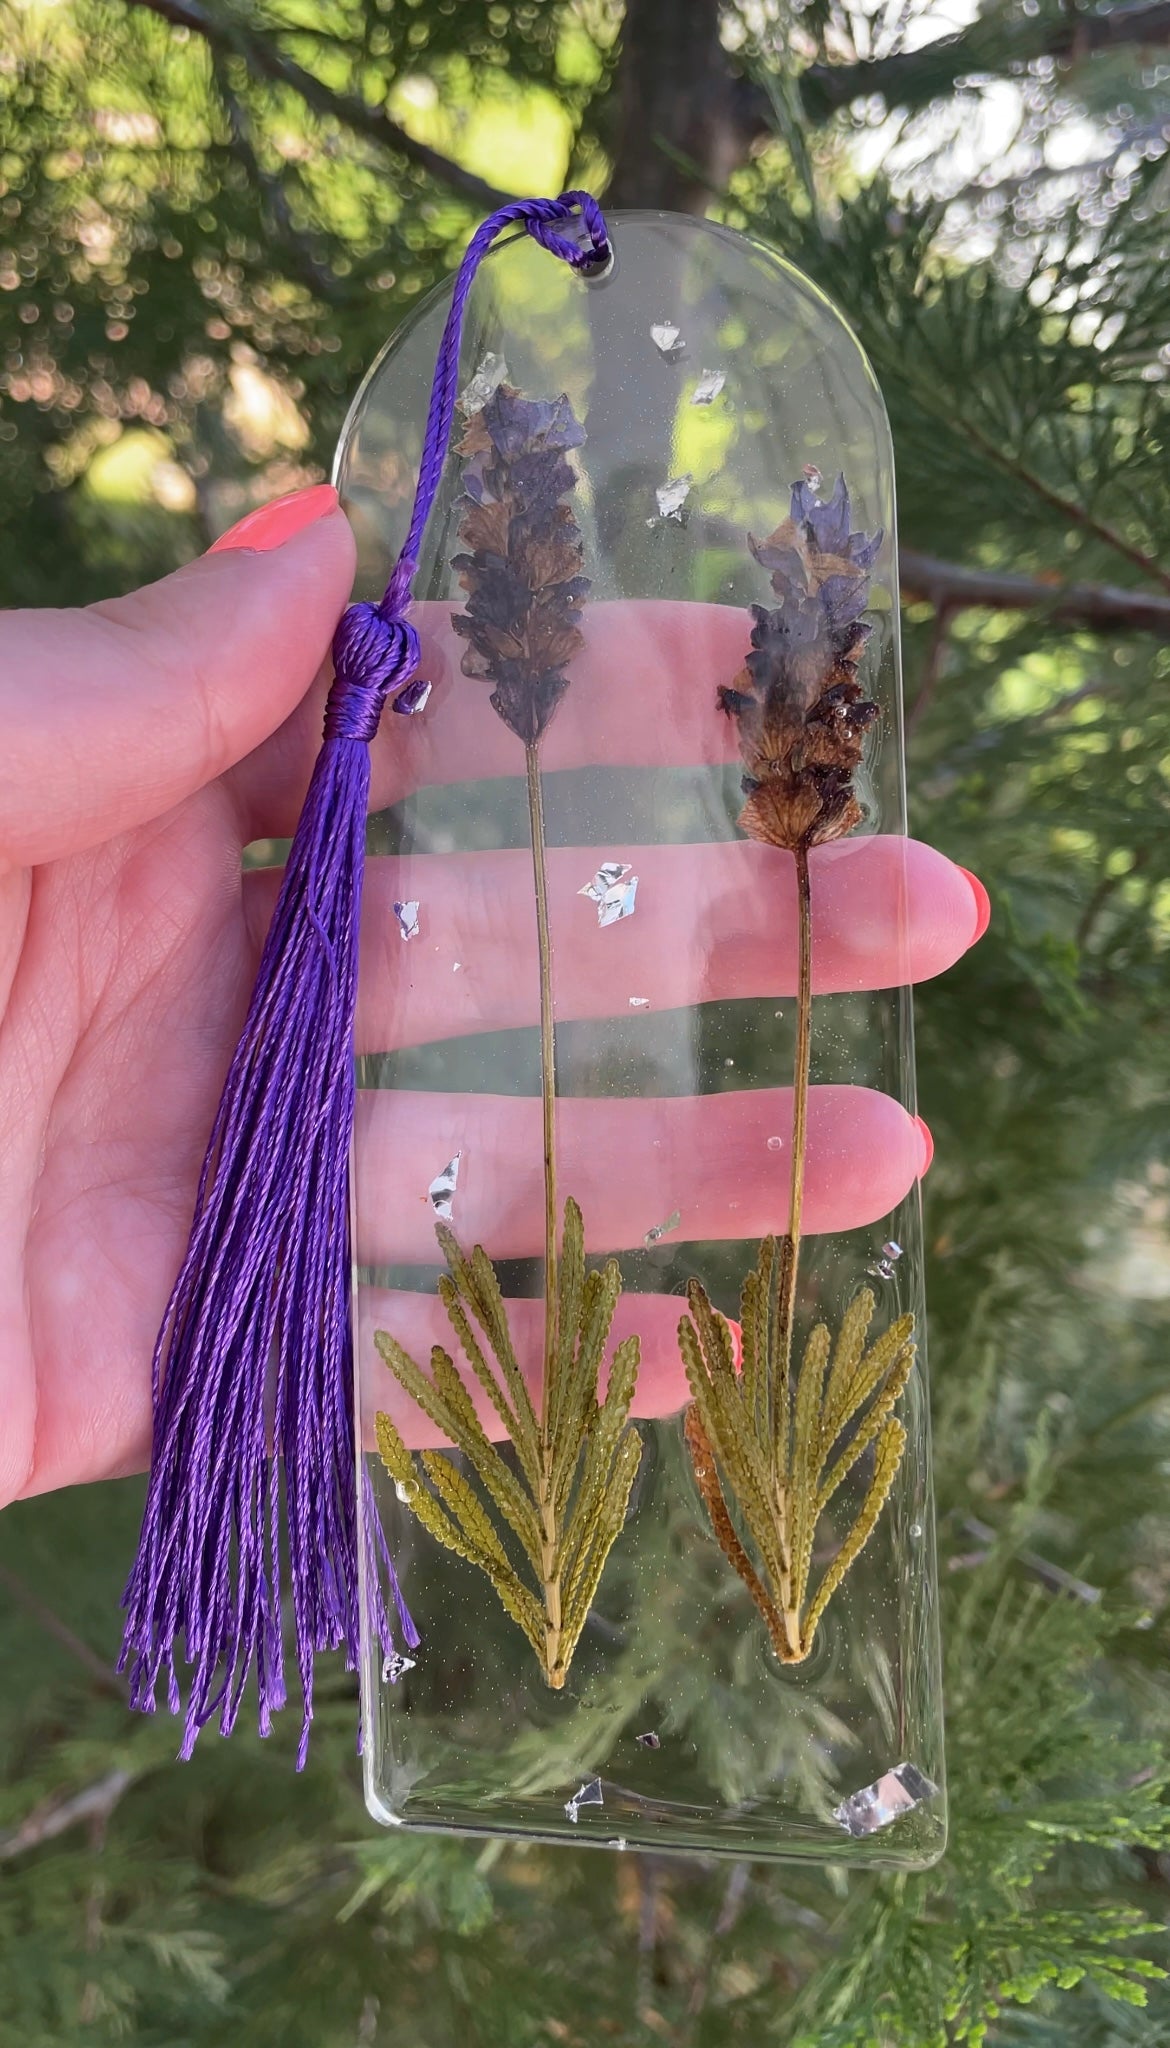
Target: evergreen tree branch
(685,120)
(910,79)
(315,274)
(103,1674)
(266,59)
(951,587)
(55,1817)
(1075,514)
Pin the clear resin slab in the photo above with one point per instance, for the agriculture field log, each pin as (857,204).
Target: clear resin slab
(638,1314)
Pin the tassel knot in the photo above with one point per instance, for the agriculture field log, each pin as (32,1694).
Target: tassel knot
(372,655)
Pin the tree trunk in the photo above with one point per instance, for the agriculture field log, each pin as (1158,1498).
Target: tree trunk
(680,114)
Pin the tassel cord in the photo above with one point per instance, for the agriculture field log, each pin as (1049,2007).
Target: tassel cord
(254,1458)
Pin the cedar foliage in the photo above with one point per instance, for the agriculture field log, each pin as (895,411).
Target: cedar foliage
(1023,369)
(565,1506)
(781,1442)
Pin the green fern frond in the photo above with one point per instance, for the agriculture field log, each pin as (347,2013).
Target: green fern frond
(890,1445)
(566,1506)
(763,1451)
(736,1445)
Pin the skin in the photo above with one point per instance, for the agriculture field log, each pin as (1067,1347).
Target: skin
(147,741)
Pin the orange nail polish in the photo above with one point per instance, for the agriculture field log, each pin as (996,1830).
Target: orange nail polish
(928,1141)
(271,525)
(982,904)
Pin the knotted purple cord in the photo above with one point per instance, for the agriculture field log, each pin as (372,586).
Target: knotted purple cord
(253,1369)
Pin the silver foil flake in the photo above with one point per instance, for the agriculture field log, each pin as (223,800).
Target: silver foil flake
(489,376)
(413,698)
(671,498)
(407,915)
(639,1002)
(442,1189)
(667,339)
(608,873)
(876,1805)
(650,1740)
(883,1267)
(708,387)
(396,1666)
(589,1795)
(613,889)
(812,476)
(658,1231)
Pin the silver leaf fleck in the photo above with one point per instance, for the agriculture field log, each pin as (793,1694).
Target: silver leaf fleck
(671,498)
(613,889)
(489,376)
(608,873)
(876,1805)
(442,1189)
(396,1666)
(589,1795)
(667,338)
(658,1231)
(708,387)
(407,915)
(413,698)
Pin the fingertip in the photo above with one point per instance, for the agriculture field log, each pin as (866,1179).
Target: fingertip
(924,1133)
(270,526)
(982,903)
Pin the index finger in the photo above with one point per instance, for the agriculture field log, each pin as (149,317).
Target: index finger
(641,695)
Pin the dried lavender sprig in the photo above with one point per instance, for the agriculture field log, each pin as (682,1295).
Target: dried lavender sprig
(763,1437)
(802,722)
(522,575)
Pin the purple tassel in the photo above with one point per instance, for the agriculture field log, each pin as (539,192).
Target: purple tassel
(253,1369)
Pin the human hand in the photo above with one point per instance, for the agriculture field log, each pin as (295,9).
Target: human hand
(142,756)
(714,922)
(133,772)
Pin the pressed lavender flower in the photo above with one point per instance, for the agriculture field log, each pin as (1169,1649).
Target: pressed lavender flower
(522,571)
(770,1442)
(541,1534)
(801,713)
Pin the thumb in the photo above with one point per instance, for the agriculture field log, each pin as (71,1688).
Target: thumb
(113,713)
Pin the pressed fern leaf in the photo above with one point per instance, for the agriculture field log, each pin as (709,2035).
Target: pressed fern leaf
(565,1507)
(769,1455)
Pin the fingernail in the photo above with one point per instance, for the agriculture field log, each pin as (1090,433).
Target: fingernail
(271,525)
(927,1146)
(982,904)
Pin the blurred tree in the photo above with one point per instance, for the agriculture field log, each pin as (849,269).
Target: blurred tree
(210,218)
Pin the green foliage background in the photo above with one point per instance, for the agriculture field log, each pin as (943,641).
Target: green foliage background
(195,266)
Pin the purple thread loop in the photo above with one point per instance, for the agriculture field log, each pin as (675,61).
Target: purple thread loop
(541,218)
(575,254)
(372,655)
(254,1468)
